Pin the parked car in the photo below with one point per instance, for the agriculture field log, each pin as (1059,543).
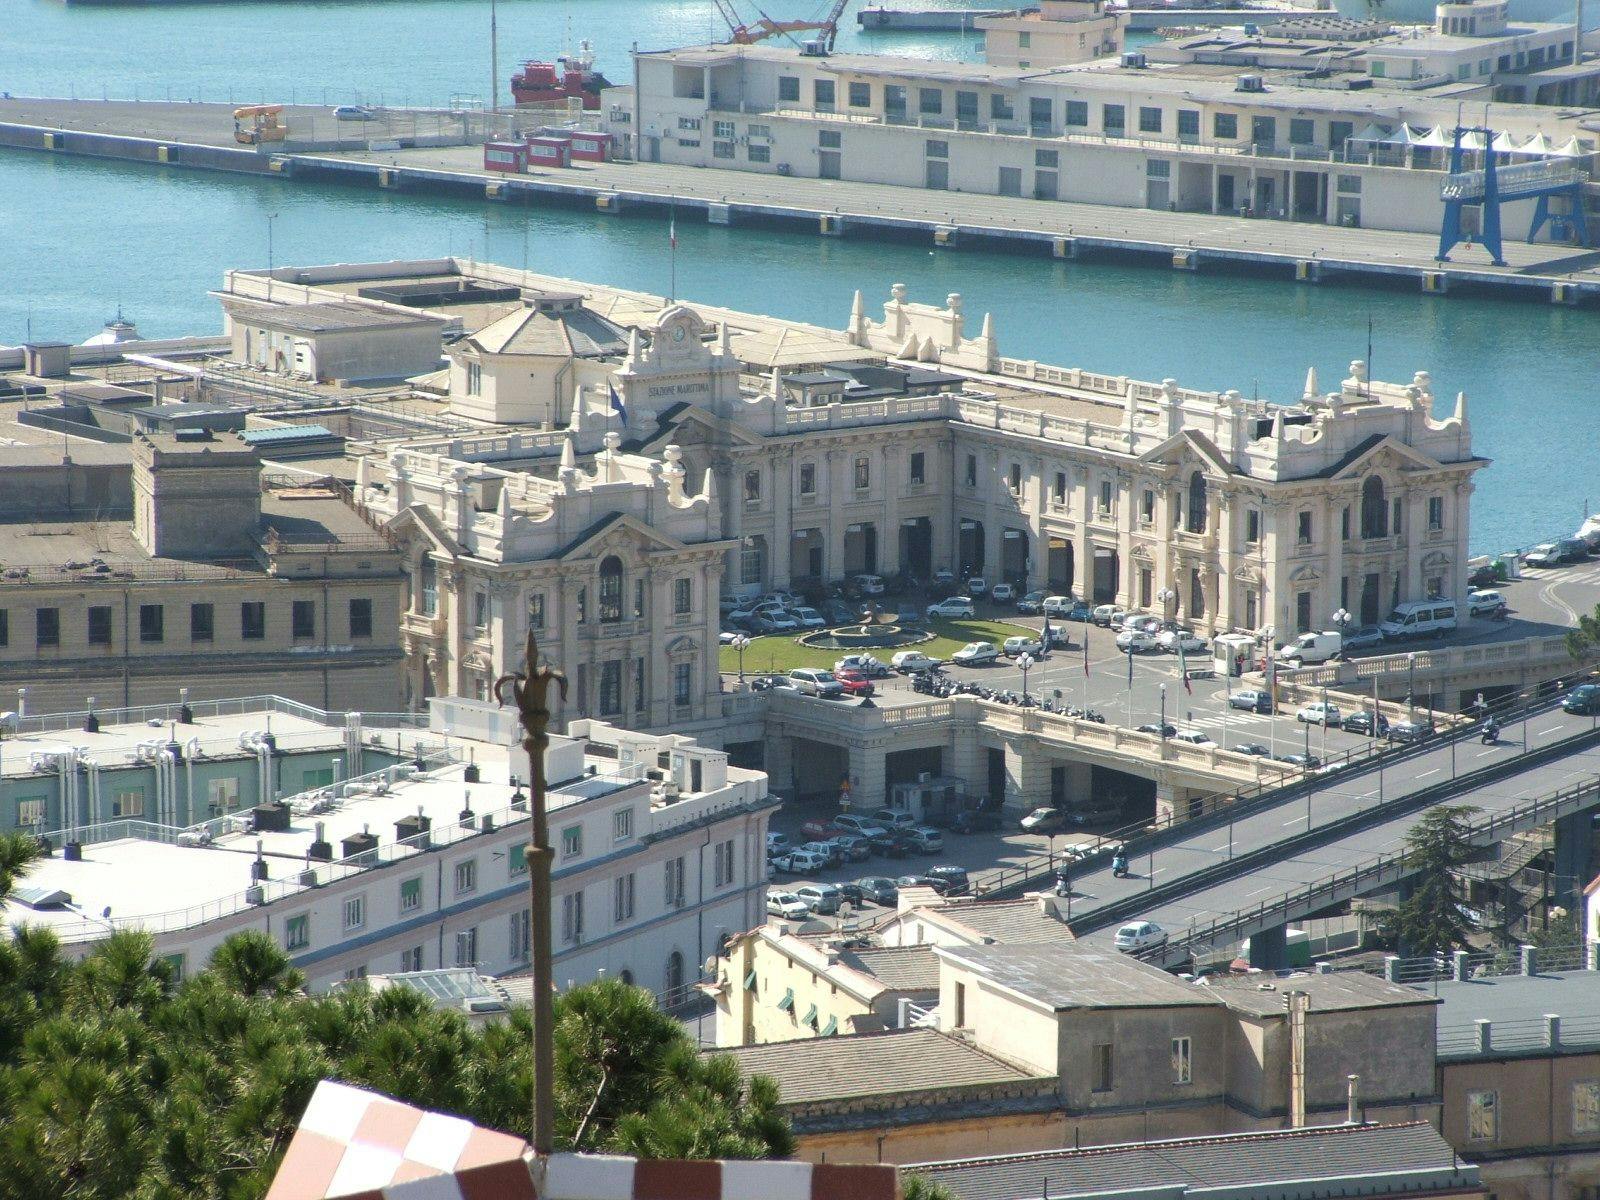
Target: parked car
(857,824)
(867,665)
(800,862)
(1101,614)
(1363,637)
(1318,712)
(1171,640)
(1251,700)
(926,838)
(809,618)
(1583,700)
(1003,593)
(854,683)
(1139,935)
(855,847)
(841,612)
(784,599)
(354,112)
(1118,617)
(776,622)
(909,662)
(880,889)
(1485,603)
(950,881)
(954,606)
(822,898)
(1044,820)
(1032,603)
(1095,812)
(813,681)
(895,820)
(1055,606)
(1310,649)
(977,585)
(1420,618)
(850,893)
(870,585)
(975,654)
(1253,749)
(1079,611)
(1163,729)
(1556,554)
(975,820)
(1409,731)
(1016,647)
(764,683)
(788,906)
(1482,576)
(910,881)
(1194,737)
(1360,722)
(1137,641)
(826,849)
(1143,624)
(1306,762)
(778,843)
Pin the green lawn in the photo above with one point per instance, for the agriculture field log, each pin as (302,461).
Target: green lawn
(783,652)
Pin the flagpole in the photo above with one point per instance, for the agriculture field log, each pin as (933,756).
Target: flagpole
(672,246)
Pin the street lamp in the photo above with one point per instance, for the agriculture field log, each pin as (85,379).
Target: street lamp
(1165,597)
(1025,664)
(1411,686)
(1341,618)
(740,644)
(1163,712)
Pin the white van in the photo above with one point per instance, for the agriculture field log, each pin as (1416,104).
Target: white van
(1418,618)
(1309,649)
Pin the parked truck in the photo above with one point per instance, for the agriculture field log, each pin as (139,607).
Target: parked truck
(1309,649)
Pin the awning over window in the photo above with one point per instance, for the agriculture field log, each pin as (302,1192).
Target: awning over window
(787,1003)
(811,1016)
(831,1028)
(750,982)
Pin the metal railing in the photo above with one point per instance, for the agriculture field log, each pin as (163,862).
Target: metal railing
(143,714)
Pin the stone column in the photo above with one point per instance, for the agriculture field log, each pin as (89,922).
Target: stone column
(1123,519)
(1227,539)
(839,493)
(869,776)
(1415,533)
(782,543)
(1332,523)
(1457,514)
(891,478)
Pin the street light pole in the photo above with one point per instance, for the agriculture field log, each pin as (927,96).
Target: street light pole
(1163,712)
(1165,597)
(741,643)
(529,690)
(1025,662)
(1411,686)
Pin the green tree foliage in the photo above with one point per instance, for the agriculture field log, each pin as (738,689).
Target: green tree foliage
(1430,920)
(1584,641)
(118,1082)
(920,1187)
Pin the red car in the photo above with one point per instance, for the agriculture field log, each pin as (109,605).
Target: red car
(855,683)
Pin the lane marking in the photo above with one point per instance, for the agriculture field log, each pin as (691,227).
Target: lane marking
(1425,774)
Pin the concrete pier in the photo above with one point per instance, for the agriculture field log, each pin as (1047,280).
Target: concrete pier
(200,136)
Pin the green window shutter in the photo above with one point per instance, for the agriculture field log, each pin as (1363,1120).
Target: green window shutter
(750,982)
(811,1016)
(787,1003)
(831,1028)
(519,859)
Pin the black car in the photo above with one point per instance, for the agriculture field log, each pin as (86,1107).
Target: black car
(1408,731)
(1583,700)
(1306,762)
(1159,729)
(879,889)
(1254,749)
(975,820)
(1360,722)
(950,881)
(1482,577)
(908,881)
(896,845)
(850,893)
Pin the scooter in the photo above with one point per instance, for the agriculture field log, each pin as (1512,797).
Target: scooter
(1491,734)
(1119,866)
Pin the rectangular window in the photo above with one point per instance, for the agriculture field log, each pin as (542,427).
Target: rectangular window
(1483,1116)
(253,620)
(611,687)
(517,861)
(1113,119)
(1224,126)
(1252,526)
(5,627)
(303,619)
(1344,524)
(683,683)
(1264,130)
(474,379)
(622,825)
(521,943)
(937,148)
(572,918)
(1145,584)
(467,947)
(47,626)
(1586,1106)
(919,467)
(722,864)
(572,841)
(297,932)
(1077,114)
(930,101)
(1435,513)
(972,470)
(752,485)
(789,87)
(1339,133)
(860,95)
(1024,41)
(222,795)
(536,610)
(682,595)
(30,812)
(428,588)
(1058,491)
(1399,511)
(1149,119)
(128,803)
(822,91)
(1181,1072)
(360,619)
(1302,132)
(1189,123)
(759,153)
(1016,479)
(674,882)
(1303,528)
(863,472)
(1049,159)
(1105,496)
(411,960)
(808,479)
(355,912)
(622,898)
(202,622)
(722,129)
(1147,505)
(1000,107)
(480,610)
(1103,1079)
(152,622)
(1041,112)
(466,876)
(1302,612)
(411,894)
(99,625)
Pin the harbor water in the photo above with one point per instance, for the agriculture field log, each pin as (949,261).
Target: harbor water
(80,238)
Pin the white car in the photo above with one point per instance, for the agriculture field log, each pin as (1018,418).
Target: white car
(1138,641)
(813,681)
(1002,593)
(1318,713)
(784,599)
(1194,737)
(800,862)
(1140,935)
(974,653)
(1057,606)
(1044,820)
(977,585)
(773,621)
(808,618)
(1171,639)
(865,664)
(909,661)
(787,905)
(1485,603)
(1015,647)
(871,585)
(1545,554)
(955,606)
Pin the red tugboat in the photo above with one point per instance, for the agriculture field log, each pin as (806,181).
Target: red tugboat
(550,83)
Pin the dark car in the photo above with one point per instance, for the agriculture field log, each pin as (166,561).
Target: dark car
(838,612)
(1306,762)
(1584,700)
(1031,602)
(1484,576)
(1360,722)
(1079,612)
(1408,731)
(898,845)
(1254,749)
(950,881)
(880,889)
(850,893)
(1159,729)
(908,881)
(975,820)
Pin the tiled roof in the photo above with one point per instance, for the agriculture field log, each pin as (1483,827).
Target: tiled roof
(872,1064)
(1077,975)
(1014,921)
(898,968)
(1343,1159)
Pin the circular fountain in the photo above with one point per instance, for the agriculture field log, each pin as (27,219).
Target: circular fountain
(876,631)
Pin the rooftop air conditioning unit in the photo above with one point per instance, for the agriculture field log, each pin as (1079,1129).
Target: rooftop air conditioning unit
(815,48)
(1133,60)
(1250,83)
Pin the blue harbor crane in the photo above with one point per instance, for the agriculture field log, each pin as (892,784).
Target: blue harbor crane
(1490,186)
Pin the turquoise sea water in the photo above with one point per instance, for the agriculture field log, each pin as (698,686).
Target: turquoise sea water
(79,238)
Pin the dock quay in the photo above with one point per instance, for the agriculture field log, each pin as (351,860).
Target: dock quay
(925,20)
(199,136)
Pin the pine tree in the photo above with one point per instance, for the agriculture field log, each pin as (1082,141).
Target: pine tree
(1430,919)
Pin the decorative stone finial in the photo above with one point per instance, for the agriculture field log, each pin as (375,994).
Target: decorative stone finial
(897,293)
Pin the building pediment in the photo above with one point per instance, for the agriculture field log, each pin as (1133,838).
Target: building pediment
(1305,574)
(1383,453)
(420,520)
(691,424)
(619,531)
(1185,447)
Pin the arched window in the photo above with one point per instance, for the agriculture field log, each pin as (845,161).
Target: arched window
(1374,512)
(611,589)
(1197,503)
(674,977)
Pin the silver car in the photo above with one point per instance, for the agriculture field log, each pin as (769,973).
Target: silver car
(813,681)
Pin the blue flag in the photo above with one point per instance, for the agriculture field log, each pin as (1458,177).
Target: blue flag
(617,406)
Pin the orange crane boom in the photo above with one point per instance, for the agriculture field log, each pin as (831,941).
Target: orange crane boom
(743,33)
